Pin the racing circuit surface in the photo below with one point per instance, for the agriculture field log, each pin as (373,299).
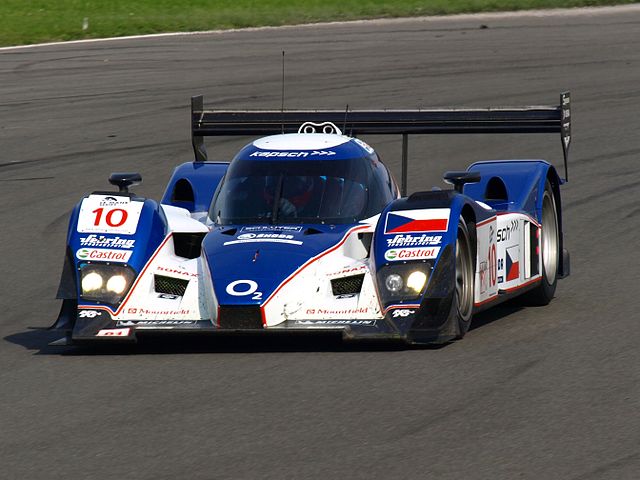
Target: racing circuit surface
(532,393)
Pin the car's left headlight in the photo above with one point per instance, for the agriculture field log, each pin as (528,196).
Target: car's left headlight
(105,283)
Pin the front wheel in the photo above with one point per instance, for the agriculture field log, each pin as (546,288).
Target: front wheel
(465,273)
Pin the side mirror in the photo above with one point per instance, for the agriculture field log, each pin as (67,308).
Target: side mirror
(458,179)
(124,180)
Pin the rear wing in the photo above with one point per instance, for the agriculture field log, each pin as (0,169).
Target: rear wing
(532,119)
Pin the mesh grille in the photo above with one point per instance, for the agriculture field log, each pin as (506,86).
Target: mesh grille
(240,317)
(170,285)
(347,285)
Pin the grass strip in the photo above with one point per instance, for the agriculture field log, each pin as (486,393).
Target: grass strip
(34,21)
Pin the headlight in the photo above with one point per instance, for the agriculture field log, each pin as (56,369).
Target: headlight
(416,281)
(403,282)
(393,282)
(105,283)
(91,281)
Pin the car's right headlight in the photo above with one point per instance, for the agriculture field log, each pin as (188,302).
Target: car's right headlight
(403,282)
(105,283)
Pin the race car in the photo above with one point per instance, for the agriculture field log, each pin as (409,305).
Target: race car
(305,230)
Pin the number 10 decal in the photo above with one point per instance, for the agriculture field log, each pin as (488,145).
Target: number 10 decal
(240,288)
(109,217)
(109,214)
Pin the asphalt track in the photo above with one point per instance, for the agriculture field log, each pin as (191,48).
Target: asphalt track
(533,393)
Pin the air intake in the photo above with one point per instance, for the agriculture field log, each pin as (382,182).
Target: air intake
(170,285)
(347,285)
(244,317)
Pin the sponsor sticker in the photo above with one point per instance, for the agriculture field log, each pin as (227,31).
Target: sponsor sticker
(109,214)
(175,271)
(263,239)
(271,228)
(294,154)
(504,233)
(365,323)
(153,311)
(114,332)
(156,323)
(103,241)
(245,236)
(415,253)
(337,311)
(347,271)
(417,221)
(414,240)
(402,313)
(104,255)
(89,313)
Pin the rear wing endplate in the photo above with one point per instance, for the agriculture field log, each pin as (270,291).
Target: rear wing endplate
(532,119)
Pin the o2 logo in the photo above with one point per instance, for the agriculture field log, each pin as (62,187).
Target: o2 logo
(241,288)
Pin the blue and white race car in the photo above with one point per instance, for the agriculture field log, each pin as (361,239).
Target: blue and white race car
(306,230)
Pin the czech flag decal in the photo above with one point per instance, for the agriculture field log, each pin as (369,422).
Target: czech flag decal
(417,221)
(513,263)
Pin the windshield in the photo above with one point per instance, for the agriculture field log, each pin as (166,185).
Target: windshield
(297,191)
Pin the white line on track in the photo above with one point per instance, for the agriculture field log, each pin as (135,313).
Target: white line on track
(556,12)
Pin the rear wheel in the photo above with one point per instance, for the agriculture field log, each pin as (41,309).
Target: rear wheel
(550,246)
(464,293)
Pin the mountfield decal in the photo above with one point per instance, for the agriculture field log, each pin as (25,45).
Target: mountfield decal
(108,242)
(104,255)
(415,253)
(414,240)
(417,221)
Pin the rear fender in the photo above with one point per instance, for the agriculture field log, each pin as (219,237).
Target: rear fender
(193,185)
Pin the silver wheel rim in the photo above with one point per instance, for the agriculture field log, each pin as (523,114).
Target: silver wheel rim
(549,238)
(464,275)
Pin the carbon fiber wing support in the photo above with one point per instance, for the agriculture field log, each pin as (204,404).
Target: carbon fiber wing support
(531,119)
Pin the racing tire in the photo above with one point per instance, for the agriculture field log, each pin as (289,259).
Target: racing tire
(550,249)
(464,276)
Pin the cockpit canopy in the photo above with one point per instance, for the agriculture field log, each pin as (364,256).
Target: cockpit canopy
(338,182)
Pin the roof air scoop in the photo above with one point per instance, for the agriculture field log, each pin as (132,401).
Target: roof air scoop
(325,127)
